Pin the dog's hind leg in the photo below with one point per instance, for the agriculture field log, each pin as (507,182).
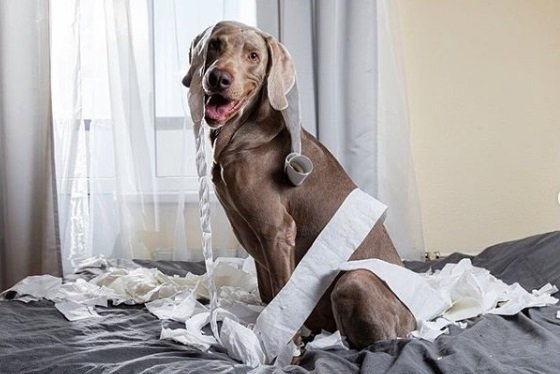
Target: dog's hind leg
(366,310)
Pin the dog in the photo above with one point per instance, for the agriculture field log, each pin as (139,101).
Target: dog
(246,74)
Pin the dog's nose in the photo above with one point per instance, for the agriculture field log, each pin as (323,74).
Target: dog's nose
(219,79)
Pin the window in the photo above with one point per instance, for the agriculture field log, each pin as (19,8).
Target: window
(87,43)
(123,138)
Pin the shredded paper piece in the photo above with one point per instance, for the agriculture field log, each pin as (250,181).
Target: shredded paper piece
(326,340)
(287,312)
(255,334)
(241,343)
(423,301)
(195,99)
(457,292)
(74,311)
(469,291)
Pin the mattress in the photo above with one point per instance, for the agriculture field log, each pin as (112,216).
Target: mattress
(36,338)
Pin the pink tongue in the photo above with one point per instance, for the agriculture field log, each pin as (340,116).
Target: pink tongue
(219,113)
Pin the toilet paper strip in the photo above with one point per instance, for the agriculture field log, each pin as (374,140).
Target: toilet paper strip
(287,312)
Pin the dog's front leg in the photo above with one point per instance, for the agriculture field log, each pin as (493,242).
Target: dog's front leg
(278,240)
(257,202)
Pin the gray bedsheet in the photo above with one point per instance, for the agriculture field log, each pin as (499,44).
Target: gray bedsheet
(35,338)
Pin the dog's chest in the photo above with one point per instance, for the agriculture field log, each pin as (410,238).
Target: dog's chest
(221,187)
(218,178)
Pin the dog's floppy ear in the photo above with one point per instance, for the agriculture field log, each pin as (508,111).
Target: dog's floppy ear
(193,79)
(281,74)
(283,96)
(187,79)
(196,55)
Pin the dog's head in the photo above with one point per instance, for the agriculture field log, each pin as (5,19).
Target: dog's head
(231,63)
(235,62)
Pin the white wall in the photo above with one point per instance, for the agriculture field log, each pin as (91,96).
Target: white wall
(483,80)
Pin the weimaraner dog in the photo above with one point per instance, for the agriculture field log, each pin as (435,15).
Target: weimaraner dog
(245,75)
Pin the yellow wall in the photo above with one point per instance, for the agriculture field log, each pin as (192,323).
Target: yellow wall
(483,79)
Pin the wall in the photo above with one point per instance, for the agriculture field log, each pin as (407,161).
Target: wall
(483,79)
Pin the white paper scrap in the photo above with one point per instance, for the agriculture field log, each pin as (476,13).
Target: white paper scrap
(287,354)
(26,299)
(187,337)
(326,340)
(92,262)
(75,312)
(227,274)
(424,302)
(192,334)
(346,230)
(456,292)
(474,291)
(39,286)
(517,299)
(249,266)
(241,343)
(430,330)
(179,308)
(142,285)
(83,292)
(246,313)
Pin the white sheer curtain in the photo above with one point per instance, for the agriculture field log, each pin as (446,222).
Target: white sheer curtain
(353,97)
(124,149)
(28,226)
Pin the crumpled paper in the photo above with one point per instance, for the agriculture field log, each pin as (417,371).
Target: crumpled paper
(423,300)
(241,343)
(430,330)
(326,340)
(167,297)
(467,291)
(129,285)
(36,287)
(287,312)
(474,291)
(177,308)
(74,311)
(455,293)
(239,305)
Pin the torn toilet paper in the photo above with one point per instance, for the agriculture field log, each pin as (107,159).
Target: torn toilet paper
(241,343)
(37,287)
(457,292)
(469,291)
(176,308)
(474,291)
(423,301)
(326,340)
(74,311)
(287,312)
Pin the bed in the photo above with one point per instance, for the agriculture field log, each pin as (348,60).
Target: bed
(36,338)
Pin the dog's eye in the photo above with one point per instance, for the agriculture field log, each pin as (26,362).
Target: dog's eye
(254,56)
(213,45)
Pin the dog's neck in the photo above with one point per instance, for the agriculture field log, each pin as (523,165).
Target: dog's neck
(258,124)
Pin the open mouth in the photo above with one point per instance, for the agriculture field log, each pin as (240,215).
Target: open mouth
(220,108)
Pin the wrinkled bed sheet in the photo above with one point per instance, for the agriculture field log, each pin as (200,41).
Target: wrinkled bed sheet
(36,338)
